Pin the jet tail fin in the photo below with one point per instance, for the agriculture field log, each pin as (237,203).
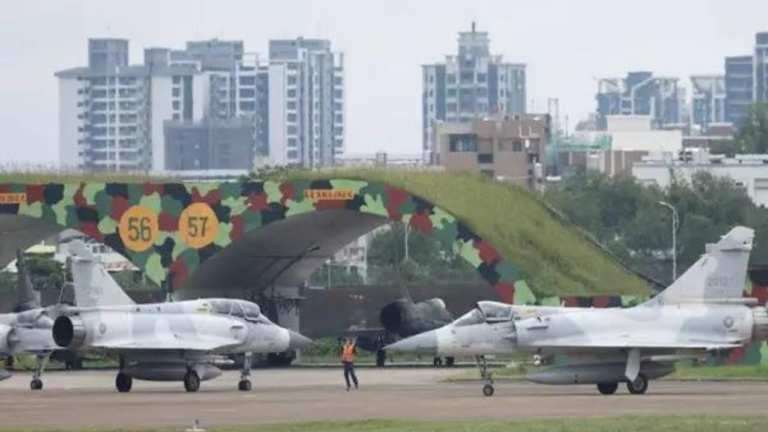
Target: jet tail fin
(719,275)
(93,285)
(29,298)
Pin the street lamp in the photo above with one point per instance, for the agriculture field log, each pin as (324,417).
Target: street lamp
(675,223)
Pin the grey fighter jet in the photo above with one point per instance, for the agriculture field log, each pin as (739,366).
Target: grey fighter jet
(701,312)
(181,341)
(28,330)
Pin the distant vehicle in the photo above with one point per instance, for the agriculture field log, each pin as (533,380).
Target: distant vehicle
(701,312)
(28,330)
(182,341)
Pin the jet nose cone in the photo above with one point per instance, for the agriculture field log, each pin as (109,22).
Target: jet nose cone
(423,343)
(297,341)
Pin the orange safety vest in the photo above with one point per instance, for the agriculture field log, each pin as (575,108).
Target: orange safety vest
(348,353)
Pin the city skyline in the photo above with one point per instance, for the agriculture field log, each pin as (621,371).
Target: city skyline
(565,47)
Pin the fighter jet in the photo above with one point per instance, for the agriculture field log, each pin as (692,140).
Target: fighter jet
(181,341)
(701,312)
(28,329)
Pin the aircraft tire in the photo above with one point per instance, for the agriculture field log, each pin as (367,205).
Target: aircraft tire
(449,361)
(191,382)
(36,384)
(607,388)
(244,385)
(488,390)
(639,386)
(123,383)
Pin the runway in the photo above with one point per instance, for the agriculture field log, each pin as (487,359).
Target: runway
(88,399)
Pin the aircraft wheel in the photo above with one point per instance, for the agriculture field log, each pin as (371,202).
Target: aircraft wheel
(488,390)
(123,383)
(36,384)
(449,361)
(639,385)
(244,385)
(607,388)
(191,382)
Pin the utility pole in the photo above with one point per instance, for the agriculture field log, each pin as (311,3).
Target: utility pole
(675,223)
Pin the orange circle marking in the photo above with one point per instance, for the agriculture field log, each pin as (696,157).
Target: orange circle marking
(198,225)
(138,228)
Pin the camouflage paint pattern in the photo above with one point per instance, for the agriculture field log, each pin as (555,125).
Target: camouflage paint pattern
(96,209)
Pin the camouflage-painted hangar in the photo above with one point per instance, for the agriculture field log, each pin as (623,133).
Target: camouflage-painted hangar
(196,239)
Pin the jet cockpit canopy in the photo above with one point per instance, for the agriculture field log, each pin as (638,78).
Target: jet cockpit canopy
(494,312)
(236,308)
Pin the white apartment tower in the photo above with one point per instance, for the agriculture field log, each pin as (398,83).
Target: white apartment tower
(111,114)
(306,102)
(471,85)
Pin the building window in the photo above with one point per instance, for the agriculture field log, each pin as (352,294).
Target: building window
(176,92)
(177,80)
(176,117)
(291,105)
(291,93)
(292,142)
(292,117)
(450,78)
(247,80)
(248,106)
(462,143)
(293,154)
(488,173)
(481,77)
(485,158)
(292,130)
(176,105)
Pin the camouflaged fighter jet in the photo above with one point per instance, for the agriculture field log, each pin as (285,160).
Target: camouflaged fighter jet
(28,330)
(701,312)
(181,341)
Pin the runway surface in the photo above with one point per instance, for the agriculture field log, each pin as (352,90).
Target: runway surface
(88,399)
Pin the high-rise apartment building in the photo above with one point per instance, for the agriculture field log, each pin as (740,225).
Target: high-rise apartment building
(760,64)
(739,87)
(111,113)
(470,85)
(639,93)
(708,100)
(306,102)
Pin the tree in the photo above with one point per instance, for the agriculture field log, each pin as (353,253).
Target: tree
(752,136)
(45,272)
(626,217)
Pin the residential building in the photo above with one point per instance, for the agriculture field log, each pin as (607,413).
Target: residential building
(739,87)
(306,102)
(295,101)
(708,100)
(111,113)
(626,141)
(760,64)
(511,148)
(639,93)
(470,85)
(747,171)
(209,144)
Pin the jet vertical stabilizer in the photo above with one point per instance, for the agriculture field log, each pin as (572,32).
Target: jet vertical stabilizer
(28,297)
(93,285)
(719,275)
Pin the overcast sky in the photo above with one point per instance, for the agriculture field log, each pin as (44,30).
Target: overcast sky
(565,43)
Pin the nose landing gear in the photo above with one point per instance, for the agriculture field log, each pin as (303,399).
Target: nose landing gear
(485,375)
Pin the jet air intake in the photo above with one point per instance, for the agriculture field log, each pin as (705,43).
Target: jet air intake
(69,332)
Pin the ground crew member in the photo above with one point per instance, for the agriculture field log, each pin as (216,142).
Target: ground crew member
(348,352)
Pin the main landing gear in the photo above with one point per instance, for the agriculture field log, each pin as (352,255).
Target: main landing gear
(123,382)
(636,387)
(639,385)
(40,362)
(191,381)
(245,373)
(486,376)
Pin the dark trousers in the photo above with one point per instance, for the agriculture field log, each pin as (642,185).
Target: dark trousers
(349,370)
